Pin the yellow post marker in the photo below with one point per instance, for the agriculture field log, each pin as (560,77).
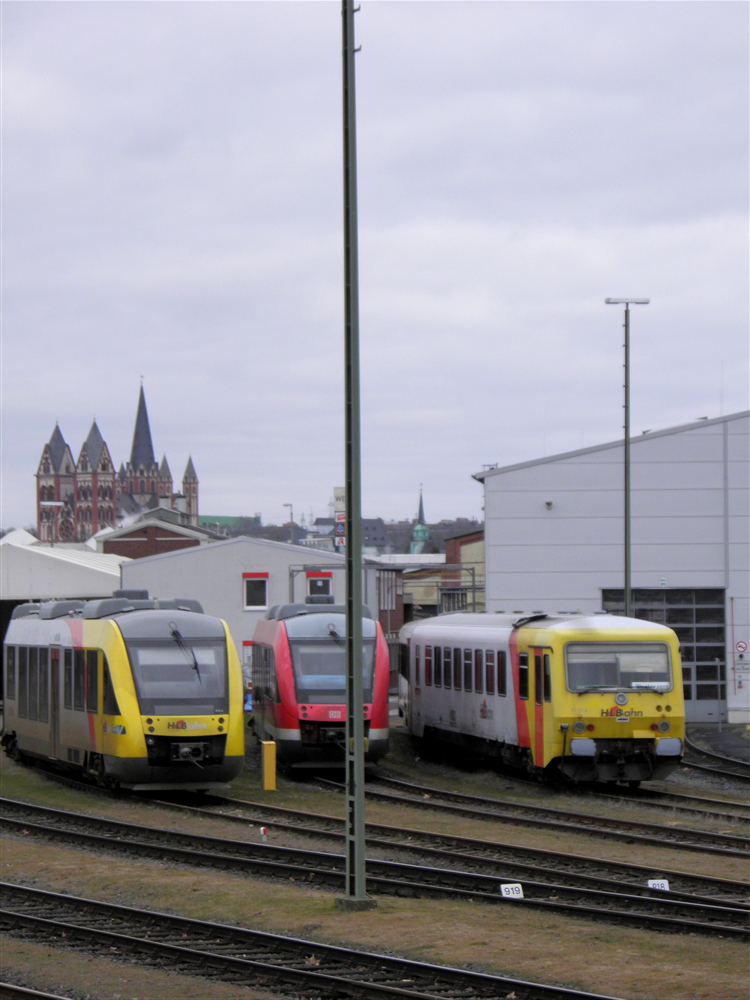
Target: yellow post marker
(268,759)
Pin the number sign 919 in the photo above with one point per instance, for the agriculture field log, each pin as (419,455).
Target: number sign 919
(512,890)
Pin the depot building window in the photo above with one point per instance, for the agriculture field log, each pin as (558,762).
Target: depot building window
(255,591)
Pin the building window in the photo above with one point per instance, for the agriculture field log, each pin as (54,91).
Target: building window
(255,591)
(319,584)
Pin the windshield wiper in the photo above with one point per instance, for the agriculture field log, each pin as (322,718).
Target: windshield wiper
(597,687)
(187,651)
(339,640)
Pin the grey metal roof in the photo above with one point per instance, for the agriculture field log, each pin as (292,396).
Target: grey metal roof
(487,473)
(142,453)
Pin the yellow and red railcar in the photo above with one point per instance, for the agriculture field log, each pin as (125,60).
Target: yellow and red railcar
(586,698)
(140,694)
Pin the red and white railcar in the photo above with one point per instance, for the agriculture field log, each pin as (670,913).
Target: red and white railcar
(299,684)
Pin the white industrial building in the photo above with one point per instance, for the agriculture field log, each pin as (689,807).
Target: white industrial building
(241,578)
(554,542)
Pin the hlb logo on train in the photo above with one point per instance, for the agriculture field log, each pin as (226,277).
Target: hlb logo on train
(620,713)
(181,724)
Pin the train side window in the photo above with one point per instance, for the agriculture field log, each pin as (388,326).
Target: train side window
(68,678)
(110,706)
(457,669)
(523,675)
(478,664)
(10,673)
(92,680)
(33,705)
(438,666)
(428,665)
(502,681)
(547,679)
(23,681)
(416,665)
(538,678)
(44,685)
(468,662)
(79,680)
(447,666)
(403,660)
(489,670)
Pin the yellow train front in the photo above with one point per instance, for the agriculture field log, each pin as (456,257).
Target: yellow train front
(604,699)
(143,694)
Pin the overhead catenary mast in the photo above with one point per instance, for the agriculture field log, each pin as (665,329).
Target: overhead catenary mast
(356,896)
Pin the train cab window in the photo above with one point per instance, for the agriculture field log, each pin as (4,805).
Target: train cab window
(110,706)
(457,669)
(547,679)
(438,666)
(447,666)
(92,680)
(478,664)
(428,666)
(10,673)
(502,680)
(79,680)
(468,663)
(523,675)
(44,685)
(538,678)
(33,704)
(489,671)
(416,665)
(23,681)
(68,678)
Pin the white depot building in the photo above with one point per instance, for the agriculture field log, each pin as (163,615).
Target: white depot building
(554,542)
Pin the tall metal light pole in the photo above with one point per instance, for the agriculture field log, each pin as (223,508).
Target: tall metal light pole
(356,895)
(627,303)
(291,522)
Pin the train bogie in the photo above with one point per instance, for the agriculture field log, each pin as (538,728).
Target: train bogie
(579,698)
(142,698)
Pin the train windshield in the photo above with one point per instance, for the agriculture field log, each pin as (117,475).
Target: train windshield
(607,666)
(189,678)
(320,671)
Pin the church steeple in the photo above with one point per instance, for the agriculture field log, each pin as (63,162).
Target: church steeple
(420,515)
(142,453)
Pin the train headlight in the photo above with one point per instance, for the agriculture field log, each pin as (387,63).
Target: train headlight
(664,726)
(579,726)
(150,740)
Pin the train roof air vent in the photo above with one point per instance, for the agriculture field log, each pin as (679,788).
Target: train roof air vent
(58,609)
(24,610)
(181,604)
(132,595)
(107,606)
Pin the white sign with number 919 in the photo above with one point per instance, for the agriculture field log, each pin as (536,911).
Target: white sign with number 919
(512,890)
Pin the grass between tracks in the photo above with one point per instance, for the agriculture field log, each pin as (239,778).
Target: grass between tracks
(601,958)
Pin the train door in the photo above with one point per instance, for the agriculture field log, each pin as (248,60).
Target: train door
(541,657)
(54,702)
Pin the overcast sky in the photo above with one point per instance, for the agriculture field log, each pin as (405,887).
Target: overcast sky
(172,209)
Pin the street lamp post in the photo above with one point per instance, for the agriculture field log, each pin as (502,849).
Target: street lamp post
(291,522)
(626,407)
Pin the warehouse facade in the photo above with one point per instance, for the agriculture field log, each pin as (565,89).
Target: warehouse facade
(554,542)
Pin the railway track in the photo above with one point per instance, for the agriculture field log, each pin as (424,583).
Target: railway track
(546,817)
(8,991)
(720,809)
(250,958)
(731,767)
(644,907)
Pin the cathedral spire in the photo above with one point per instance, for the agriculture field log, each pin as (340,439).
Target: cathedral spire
(143,450)
(420,515)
